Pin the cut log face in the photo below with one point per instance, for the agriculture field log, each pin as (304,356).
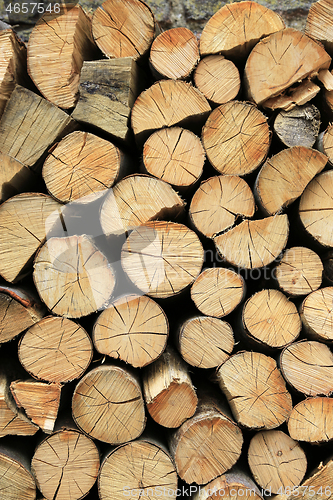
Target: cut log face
(271,319)
(162,258)
(317,316)
(276,460)
(133,328)
(56,350)
(167,103)
(286,175)
(316,208)
(72,277)
(218,202)
(308,367)
(15,177)
(229,485)
(237,27)
(298,127)
(236,138)
(255,390)
(217,78)
(174,54)
(138,199)
(168,390)
(25,220)
(60,43)
(140,466)
(174,155)
(123,29)
(205,342)
(279,61)
(300,271)
(108,405)
(218,291)
(254,244)
(318,23)
(81,165)
(65,465)
(328,143)
(16,480)
(311,420)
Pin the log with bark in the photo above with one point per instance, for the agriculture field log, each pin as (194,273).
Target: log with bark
(299,126)
(15,472)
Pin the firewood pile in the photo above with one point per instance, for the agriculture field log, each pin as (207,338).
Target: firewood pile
(166,256)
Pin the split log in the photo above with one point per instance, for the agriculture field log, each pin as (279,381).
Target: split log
(270,319)
(174,54)
(168,390)
(311,420)
(174,155)
(326,78)
(57,350)
(218,202)
(317,316)
(16,478)
(316,208)
(133,328)
(229,485)
(205,342)
(123,28)
(108,404)
(308,367)
(298,127)
(162,258)
(217,78)
(136,200)
(318,23)
(73,277)
(71,28)
(65,465)
(276,460)
(25,221)
(142,467)
(236,28)
(255,390)
(167,103)
(279,61)
(218,291)
(39,400)
(286,175)
(37,124)
(254,244)
(298,95)
(236,138)
(15,177)
(327,143)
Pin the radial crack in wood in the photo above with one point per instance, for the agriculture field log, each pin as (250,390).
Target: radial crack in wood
(16,478)
(317,315)
(311,420)
(318,23)
(15,177)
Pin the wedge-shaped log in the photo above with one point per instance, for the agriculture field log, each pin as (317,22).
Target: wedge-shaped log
(311,420)
(15,177)
(317,315)
(298,127)
(15,472)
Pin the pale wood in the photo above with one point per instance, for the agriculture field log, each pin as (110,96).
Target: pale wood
(37,124)
(174,54)
(327,260)
(65,465)
(298,127)
(218,202)
(218,291)
(25,221)
(108,404)
(162,258)
(318,23)
(269,318)
(174,155)
(73,277)
(16,478)
(168,390)
(56,349)
(311,420)
(235,29)
(217,78)
(279,61)
(205,342)
(298,95)
(167,103)
(15,177)
(317,316)
(276,460)
(229,485)
(326,78)
(300,271)
(254,244)
(123,28)
(308,367)
(140,466)
(133,328)
(60,43)
(136,200)
(39,400)
(327,143)
(255,390)
(236,138)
